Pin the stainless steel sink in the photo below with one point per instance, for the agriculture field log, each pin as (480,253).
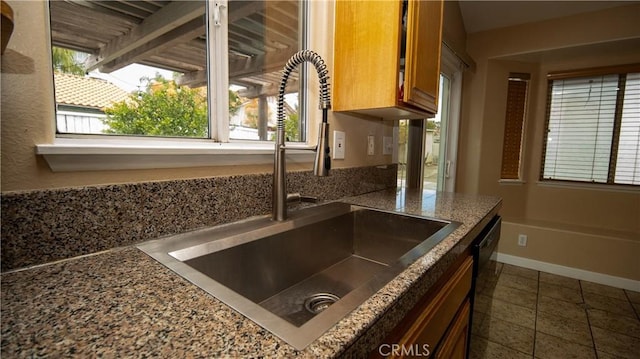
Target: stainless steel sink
(299,277)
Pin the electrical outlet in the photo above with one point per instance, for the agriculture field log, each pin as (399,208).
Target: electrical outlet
(522,240)
(371,145)
(338,145)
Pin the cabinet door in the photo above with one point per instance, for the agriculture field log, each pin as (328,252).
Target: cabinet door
(454,345)
(428,324)
(424,39)
(366,55)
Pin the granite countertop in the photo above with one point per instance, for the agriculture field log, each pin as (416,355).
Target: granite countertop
(121,302)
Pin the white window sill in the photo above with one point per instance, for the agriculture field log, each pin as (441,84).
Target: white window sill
(511,182)
(589,186)
(73,154)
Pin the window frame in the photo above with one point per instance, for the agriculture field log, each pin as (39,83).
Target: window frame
(95,152)
(585,73)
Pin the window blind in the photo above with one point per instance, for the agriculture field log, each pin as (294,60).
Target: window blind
(513,127)
(580,128)
(593,129)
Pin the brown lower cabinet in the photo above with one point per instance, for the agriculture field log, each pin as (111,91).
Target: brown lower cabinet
(457,338)
(438,326)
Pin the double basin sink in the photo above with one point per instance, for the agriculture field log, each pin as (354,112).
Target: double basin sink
(299,277)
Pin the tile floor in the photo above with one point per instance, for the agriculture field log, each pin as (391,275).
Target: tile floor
(523,313)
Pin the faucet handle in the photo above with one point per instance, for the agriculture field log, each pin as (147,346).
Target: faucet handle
(309,199)
(297,198)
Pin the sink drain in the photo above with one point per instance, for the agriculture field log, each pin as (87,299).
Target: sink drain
(319,302)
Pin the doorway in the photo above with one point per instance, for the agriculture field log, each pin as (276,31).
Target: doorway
(435,142)
(427,149)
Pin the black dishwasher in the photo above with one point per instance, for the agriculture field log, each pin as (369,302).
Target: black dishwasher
(485,266)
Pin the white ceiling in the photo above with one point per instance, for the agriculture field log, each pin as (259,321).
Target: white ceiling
(480,15)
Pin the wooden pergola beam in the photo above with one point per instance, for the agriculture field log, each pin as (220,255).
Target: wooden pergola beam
(184,33)
(264,91)
(163,21)
(258,65)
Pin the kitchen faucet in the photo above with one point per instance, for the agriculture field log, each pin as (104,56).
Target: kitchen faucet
(322,162)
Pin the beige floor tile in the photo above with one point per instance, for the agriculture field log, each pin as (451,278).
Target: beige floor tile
(506,317)
(603,355)
(512,313)
(560,292)
(612,305)
(573,311)
(614,322)
(551,347)
(508,334)
(515,296)
(484,349)
(519,271)
(485,285)
(560,280)
(619,345)
(634,297)
(476,321)
(604,290)
(575,332)
(518,282)
(482,304)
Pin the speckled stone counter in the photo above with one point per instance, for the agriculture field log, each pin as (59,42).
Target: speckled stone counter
(42,226)
(122,303)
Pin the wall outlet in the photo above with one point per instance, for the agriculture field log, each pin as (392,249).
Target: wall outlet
(371,145)
(522,240)
(338,145)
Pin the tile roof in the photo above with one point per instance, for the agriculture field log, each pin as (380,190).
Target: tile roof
(86,91)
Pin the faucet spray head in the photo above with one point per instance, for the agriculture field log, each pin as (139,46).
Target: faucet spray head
(322,164)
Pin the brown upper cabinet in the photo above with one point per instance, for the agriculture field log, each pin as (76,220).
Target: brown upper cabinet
(387,58)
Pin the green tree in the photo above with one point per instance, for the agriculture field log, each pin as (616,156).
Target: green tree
(292,127)
(164,109)
(234,102)
(431,125)
(66,61)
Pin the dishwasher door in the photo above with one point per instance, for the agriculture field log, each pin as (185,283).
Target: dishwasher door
(487,274)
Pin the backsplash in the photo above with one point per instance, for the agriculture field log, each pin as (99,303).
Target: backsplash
(47,225)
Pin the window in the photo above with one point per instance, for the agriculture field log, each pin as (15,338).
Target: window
(186,69)
(593,126)
(514,126)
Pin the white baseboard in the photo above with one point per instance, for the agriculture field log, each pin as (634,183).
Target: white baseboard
(575,273)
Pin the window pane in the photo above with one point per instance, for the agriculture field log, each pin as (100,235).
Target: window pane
(263,35)
(628,159)
(130,68)
(581,120)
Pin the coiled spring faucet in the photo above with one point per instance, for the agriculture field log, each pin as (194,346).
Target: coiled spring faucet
(323,160)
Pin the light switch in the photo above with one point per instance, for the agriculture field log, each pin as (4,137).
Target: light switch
(338,145)
(371,145)
(387,145)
